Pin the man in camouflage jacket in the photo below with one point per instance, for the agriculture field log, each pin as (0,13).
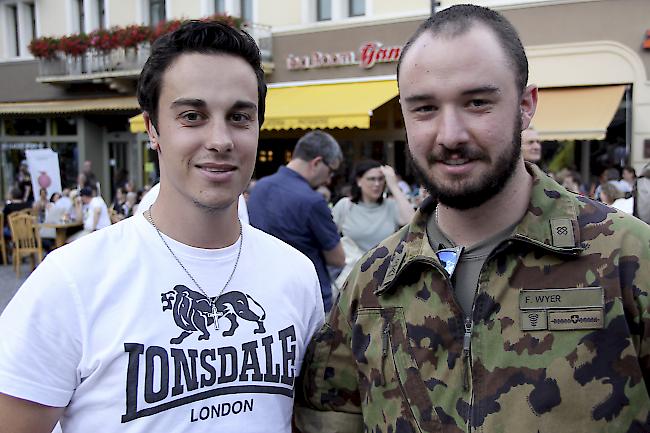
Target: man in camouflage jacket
(392,350)
(558,336)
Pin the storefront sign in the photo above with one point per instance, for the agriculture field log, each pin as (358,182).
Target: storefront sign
(646,42)
(368,56)
(21,146)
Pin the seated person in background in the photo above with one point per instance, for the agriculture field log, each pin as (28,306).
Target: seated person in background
(612,196)
(609,193)
(66,202)
(92,210)
(131,204)
(40,204)
(14,204)
(53,214)
(118,201)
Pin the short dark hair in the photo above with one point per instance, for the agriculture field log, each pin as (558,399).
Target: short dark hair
(357,173)
(318,143)
(204,37)
(457,20)
(86,191)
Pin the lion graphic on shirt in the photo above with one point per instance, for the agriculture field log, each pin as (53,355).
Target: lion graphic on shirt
(193,311)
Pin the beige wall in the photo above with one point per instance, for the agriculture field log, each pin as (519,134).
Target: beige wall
(392,7)
(185,8)
(272,13)
(122,12)
(53,17)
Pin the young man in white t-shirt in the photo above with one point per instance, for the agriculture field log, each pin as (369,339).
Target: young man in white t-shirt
(181,319)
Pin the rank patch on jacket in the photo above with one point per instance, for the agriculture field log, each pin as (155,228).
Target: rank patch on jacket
(561,309)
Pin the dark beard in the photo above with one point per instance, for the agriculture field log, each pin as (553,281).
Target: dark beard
(491,185)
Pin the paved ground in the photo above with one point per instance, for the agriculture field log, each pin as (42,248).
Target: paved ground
(9,284)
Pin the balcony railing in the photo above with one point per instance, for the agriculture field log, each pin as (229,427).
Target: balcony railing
(126,61)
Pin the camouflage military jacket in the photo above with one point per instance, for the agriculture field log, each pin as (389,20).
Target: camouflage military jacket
(558,341)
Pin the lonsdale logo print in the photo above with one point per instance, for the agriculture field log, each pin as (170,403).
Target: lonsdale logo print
(252,360)
(193,312)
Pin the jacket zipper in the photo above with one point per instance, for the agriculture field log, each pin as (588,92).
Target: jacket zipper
(387,345)
(467,345)
(467,367)
(384,351)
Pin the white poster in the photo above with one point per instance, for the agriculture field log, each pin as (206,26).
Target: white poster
(43,167)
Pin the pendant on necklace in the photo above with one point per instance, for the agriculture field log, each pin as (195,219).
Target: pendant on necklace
(215,316)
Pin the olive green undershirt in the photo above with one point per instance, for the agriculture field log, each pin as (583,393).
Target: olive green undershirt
(465,277)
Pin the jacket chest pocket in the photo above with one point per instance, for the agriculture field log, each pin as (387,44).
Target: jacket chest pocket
(392,390)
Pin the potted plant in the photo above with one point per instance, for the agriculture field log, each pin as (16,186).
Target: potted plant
(102,43)
(46,50)
(165,27)
(135,40)
(74,47)
(229,20)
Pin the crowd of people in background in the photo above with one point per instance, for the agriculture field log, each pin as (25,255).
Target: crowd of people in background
(82,201)
(354,204)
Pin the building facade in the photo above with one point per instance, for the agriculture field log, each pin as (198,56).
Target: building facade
(331,65)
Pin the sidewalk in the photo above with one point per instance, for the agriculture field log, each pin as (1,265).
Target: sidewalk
(9,284)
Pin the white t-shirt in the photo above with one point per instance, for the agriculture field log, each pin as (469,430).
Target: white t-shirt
(96,204)
(111,327)
(624,204)
(151,196)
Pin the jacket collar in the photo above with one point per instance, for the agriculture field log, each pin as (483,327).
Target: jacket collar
(550,223)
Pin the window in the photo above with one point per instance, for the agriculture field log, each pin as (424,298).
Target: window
(323,10)
(357,8)
(246,8)
(32,19)
(101,14)
(64,126)
(17,28)
(156,12)
(82,16)
(219,6)
(13,35)
(25,126)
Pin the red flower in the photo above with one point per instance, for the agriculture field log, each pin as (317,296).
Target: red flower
(165,27)
(133,35)
(105,40)
(75,45)
(44,48)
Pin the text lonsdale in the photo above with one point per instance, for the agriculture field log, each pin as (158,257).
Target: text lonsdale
(171,376)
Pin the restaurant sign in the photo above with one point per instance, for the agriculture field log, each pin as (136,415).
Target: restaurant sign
(368,56)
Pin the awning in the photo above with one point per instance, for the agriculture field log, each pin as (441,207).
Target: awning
(340,105)
(576,113)
(66,106)
(136,124)
(326,106)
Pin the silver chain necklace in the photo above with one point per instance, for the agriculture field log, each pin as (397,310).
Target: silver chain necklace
(215,313)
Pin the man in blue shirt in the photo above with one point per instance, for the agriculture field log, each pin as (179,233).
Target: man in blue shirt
(287,206)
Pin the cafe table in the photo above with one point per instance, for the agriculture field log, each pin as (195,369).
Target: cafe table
(62,229)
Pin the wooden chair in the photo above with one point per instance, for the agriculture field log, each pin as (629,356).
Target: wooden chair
(26,239)
(3,246)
